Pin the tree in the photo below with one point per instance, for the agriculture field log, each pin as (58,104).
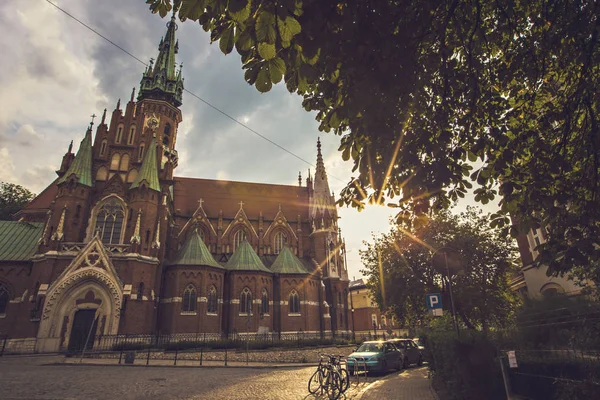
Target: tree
(421,91)
(12,199)
(481,292)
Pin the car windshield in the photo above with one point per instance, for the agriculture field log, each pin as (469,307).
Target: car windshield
(370,347)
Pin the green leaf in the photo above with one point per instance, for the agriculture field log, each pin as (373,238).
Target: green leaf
(265,27)
(263,81)
(288,28)
(226,42)
(266,50)
(239,10)
(251,74)
(244,41)
(472,156)
(334,121)
(191,9)
(307,72)
(276,69)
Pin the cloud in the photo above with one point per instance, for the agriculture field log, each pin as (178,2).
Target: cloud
(7,167)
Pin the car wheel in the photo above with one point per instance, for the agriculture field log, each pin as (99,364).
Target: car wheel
(420,362)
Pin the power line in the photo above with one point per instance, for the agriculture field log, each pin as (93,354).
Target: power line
(189,92)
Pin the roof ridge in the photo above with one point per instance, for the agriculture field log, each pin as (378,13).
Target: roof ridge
(244,258)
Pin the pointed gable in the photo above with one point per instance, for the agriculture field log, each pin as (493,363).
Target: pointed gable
(195,252)
(81,167)
(245,259)
(287,263)
(149,170)
(240,219)
(280,221)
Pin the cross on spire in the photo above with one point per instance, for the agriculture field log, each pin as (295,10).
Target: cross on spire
(241,203)
(200,202)
(92,123)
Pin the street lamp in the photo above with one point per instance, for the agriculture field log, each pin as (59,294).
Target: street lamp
(248,332)
(448,262)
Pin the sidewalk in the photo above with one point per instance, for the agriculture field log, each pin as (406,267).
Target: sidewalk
(410,384)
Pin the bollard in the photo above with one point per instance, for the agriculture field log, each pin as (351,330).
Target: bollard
(148,357)
(176,354)
(201,351)
(121,355)
(225,355)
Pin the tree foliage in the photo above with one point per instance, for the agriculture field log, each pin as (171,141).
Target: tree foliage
(481,292)
(420,91)
(13,198)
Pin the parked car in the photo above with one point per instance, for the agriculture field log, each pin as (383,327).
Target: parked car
(375,356)
(410,352)
(419,344)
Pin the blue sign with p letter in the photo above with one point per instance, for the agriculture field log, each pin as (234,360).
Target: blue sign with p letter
(434,301)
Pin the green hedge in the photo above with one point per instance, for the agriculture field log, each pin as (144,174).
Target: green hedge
(467,367)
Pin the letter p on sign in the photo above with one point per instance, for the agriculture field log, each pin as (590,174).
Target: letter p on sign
(434,301)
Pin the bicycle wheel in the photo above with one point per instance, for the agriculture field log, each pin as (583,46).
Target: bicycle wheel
(333,385)
(345,377)
(315,381)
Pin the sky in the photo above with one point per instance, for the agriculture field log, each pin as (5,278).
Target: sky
(56,73)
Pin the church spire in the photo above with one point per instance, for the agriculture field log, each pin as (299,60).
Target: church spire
(81,167)
(321,202)
(160,81)
(149,170)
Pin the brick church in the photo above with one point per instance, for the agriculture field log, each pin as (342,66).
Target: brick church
(118,244)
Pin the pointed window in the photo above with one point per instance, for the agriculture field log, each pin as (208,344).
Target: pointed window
(294,302)
(119,135)
(124,165)
(109,222)
(102,174)
(4,298)
(140,291)
(103,147)
(189,301)
(239,237)
(212,300)
(246,301)
(280,241)
(264,302)
(141,152)
(167,130)
(131,137)
(132,175)
(114,162)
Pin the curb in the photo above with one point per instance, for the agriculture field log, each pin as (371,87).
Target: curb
(433,392)
(276,366)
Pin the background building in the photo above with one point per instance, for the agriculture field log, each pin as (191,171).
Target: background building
(118,244)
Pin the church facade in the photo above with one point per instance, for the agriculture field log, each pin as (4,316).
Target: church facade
(118,244)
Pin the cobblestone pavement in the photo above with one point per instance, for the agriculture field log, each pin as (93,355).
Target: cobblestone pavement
(35,378)
(410,384)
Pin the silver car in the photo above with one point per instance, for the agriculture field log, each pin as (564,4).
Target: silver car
(409,350)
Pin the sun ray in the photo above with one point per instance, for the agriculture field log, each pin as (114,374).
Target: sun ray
(381,279)
(390,166)
(416,239)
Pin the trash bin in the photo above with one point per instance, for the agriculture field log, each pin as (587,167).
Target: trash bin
(129,357)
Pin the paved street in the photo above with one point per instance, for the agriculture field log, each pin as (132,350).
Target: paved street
(32,378)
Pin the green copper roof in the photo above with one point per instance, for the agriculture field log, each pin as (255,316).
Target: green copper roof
(245,259)
(149,170)
(287,263)
(195,252)
(81,166)
(19,240)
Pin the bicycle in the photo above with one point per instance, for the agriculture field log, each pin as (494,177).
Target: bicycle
(343,371)
(327,378)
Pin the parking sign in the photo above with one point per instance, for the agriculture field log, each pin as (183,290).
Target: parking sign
(434,301)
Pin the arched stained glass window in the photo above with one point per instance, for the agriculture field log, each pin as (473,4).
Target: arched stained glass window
(279,242)
(109,222)
(140,291)
(239,237)
(294,302)
(119,134)
(246,301)
(114,162)
(141,152)
(124,165)
(103,147)
(131,137)
(265,302)
(4,298)
(189,301)
(212,300)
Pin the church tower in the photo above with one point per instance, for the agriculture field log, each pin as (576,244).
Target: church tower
(327,246)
